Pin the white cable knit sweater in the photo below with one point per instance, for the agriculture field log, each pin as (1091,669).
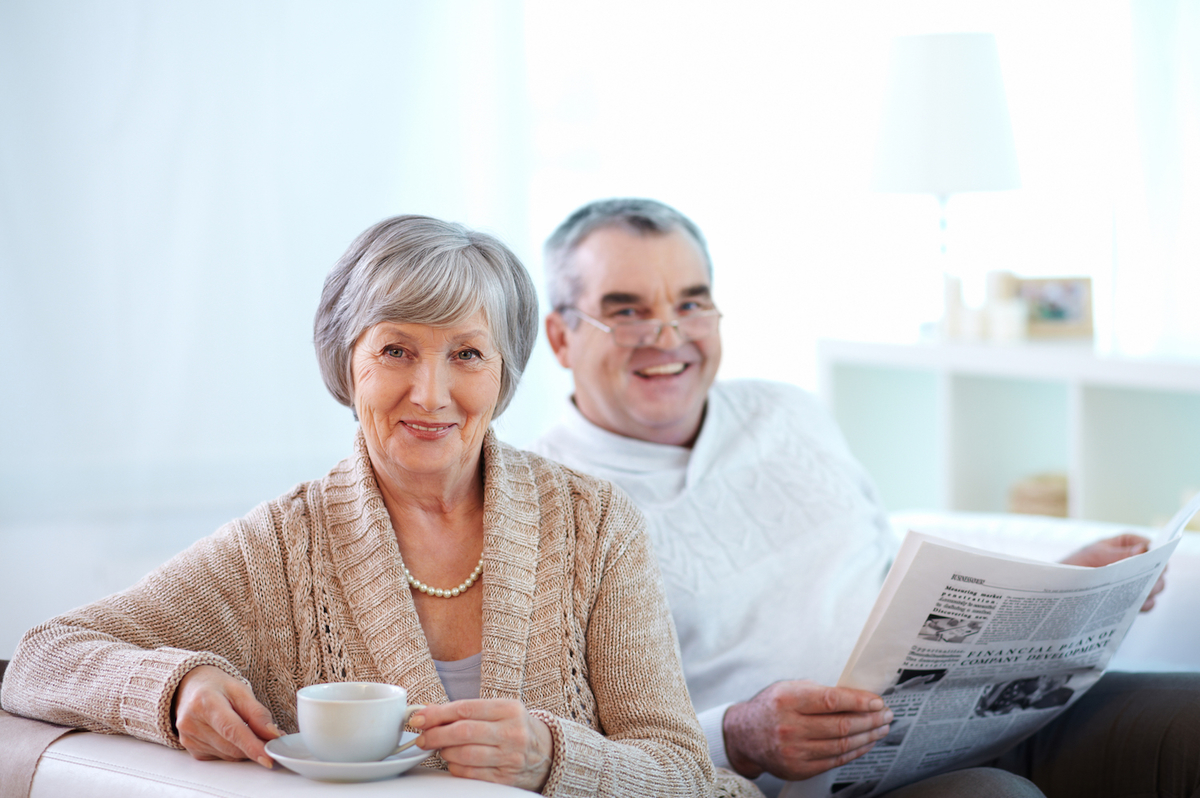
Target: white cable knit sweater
(771,538)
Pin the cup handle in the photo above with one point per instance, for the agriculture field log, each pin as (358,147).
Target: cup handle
(408,713)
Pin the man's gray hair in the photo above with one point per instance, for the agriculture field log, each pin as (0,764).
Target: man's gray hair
(419,270)
(640,216)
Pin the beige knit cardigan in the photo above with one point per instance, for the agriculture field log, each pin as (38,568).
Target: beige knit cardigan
(309,588)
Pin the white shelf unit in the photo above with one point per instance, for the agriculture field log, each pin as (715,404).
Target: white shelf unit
(954,426)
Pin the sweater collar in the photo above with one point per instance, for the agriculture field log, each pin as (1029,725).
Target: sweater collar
(622,454)
(632,458)
(366,562)
(511,537)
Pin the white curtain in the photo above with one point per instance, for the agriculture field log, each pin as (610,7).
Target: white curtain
(177,179)
(1158,217)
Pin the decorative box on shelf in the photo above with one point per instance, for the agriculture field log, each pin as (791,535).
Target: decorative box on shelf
(955,426)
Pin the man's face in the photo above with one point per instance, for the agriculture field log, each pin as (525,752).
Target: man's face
(655,392)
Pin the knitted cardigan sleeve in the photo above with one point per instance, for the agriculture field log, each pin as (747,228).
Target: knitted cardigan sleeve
(651,743)
(113,666)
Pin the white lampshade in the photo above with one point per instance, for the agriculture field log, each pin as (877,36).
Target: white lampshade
(945,123)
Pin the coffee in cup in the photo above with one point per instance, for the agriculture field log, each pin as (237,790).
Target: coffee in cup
(353,721)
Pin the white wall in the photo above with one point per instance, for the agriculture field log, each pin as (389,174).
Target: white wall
(175,181)
(178,178)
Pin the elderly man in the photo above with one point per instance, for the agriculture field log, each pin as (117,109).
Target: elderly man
(770,536)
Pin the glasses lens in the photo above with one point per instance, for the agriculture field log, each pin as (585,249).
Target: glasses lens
(646,333)
(694,327)
(636,333)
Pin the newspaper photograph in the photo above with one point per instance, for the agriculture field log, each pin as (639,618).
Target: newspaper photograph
(974,651)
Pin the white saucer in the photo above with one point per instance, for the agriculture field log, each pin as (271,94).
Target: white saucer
(291,752)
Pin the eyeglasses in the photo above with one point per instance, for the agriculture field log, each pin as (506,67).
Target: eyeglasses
(646,332)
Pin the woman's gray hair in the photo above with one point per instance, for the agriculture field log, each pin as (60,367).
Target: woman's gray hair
(419,270)
(640,216)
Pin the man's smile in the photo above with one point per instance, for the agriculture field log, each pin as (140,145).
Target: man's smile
(664,370)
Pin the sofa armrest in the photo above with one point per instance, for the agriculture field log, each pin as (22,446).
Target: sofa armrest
(116,766)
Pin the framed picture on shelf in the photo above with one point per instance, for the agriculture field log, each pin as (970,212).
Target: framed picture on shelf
(1059,307)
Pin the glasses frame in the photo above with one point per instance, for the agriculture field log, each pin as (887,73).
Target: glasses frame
(648,340)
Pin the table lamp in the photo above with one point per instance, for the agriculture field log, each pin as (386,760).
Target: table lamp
(945,125)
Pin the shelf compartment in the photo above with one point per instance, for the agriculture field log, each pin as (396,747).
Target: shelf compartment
(1002,431)
(890,419)
(1139,451)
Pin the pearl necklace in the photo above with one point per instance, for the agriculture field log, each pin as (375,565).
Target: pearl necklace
(439,592)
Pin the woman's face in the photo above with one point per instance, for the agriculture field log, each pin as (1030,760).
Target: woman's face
(425,395)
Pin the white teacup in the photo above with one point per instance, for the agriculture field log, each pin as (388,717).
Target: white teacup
(353,721)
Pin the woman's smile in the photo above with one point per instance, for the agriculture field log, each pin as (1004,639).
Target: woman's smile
(427,429)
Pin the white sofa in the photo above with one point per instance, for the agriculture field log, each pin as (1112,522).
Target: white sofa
(108,766)
(1166,638)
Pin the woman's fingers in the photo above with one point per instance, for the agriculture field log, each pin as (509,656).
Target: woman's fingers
(218,717)
(255,716)
(491,740)
(473,709)
(460,722)
(478,756)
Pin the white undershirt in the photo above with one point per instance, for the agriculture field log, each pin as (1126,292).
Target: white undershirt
(460,677)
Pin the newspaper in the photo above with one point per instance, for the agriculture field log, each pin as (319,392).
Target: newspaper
(974,651)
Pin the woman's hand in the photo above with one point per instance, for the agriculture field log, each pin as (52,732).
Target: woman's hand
(490,740)
(218,717)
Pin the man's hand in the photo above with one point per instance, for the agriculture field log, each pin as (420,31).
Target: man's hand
(1109,550)
(797,729)
(488,739)
(218,717)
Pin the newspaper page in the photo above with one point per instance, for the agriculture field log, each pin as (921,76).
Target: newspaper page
(974,651)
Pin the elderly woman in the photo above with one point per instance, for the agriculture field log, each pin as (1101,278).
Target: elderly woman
(520,600)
